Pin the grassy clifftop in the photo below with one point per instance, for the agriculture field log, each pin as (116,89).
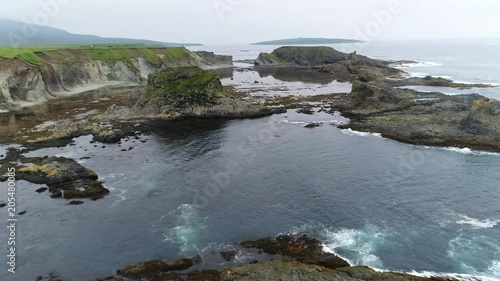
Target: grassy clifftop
(67,54)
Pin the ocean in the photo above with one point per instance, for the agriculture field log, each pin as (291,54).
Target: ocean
(195,187)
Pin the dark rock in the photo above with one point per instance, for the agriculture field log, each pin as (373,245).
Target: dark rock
(205,275)
(312,125)
(307,111)
(292,270)
(342,66)
(144,269)
(435,82)
(326,260)
(158,270)
(23,213)
(2,205)
(110,136)
(181,264)
(111,278)
(56,194)
(197,259)
(64,177)
(75,203)
(294,247)
(53,276)
(42,190)
(422,118)
(228,256)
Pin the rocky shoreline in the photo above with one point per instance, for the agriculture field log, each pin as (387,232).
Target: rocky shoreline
(376,104)
(285,257)
(59,73)
(171,95)
(433,119)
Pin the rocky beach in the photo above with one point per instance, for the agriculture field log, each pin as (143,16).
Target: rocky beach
(156,91)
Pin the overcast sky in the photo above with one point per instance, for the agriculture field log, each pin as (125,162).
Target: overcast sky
(244,21)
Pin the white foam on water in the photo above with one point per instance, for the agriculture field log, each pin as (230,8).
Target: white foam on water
(351,132)
(113,180)
(187,230)
(469,151)
(467,249)
(424,74)
(477,223)
(363,245)
(335,122)
(417,74)
(464,277)
(495,84)
(495,268)
(417,64)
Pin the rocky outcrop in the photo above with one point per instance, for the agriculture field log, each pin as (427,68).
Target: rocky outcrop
(282,258)
(187,92)
(433,119)
(302,56)
(342,66)
(435,82)
(278,270)
(58,73)
(157,268)
(61,132)
(350,67)
(64,177)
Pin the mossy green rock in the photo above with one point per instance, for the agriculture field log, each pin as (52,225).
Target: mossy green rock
(183,87)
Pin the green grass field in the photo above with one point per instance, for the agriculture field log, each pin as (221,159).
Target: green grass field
(32,54)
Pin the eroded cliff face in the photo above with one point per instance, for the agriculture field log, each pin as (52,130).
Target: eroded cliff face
(61,73)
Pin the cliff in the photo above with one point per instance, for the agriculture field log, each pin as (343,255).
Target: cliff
(35,76)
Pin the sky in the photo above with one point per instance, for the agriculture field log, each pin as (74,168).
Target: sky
(223,22)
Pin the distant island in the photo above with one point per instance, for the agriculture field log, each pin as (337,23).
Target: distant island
(307,41)
(11,34)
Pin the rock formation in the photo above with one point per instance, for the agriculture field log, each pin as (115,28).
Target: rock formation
(58,73)
(187,92)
